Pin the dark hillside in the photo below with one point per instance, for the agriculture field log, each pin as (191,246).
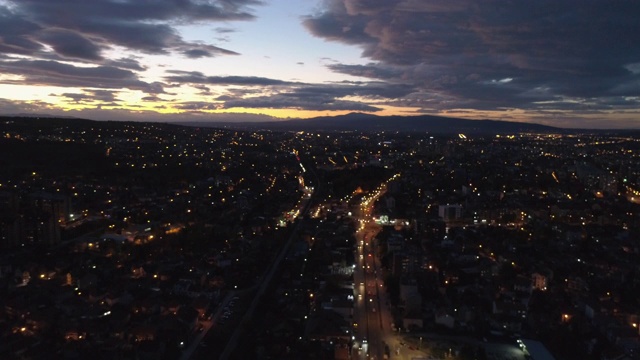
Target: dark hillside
(51,158)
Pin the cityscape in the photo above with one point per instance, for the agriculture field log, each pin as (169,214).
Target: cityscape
(137,240)
(319,179)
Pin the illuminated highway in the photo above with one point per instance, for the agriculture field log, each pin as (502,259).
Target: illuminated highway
(375,336)
(371,314)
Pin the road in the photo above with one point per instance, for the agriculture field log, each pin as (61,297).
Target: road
(207,324)
(371,313)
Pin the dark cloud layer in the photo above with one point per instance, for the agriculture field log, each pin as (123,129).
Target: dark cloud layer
(58,36)
(196,77)
(292,101)
(71,44)
(494,54)
(84,28)
(91,96)
(293,95)
(52,73)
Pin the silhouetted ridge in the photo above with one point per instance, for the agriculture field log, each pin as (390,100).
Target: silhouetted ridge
(368,123)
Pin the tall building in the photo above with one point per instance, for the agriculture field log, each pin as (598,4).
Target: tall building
(450,212)
(41,228)
(32,219)
(54,204)
(9,230)
(9,220)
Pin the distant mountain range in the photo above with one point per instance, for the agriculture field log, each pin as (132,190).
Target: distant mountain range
(372,123)
(354,122)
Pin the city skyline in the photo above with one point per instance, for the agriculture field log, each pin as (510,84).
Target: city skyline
(567,64)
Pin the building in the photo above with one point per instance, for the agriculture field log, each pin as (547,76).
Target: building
(450,212)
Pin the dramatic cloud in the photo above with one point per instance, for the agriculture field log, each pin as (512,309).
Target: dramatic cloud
(321,97)
(91,96)
(286,101)
(84,28)
(54,73)
(16,34)
(195,77)
(292,95)
(289,95)
(72,43)
(496,54)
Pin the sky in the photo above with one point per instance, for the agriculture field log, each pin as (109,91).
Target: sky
(566,63)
